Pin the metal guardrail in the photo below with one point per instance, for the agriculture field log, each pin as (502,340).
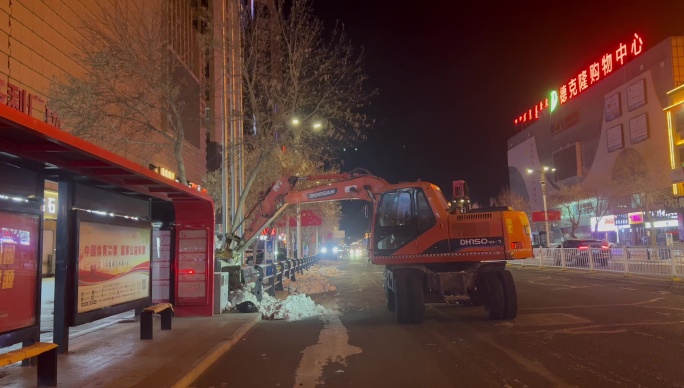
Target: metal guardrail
(654,261)
(285,269)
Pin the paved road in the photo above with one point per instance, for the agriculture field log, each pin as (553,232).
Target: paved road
(573,330)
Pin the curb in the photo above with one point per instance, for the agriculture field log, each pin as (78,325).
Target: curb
(202,364)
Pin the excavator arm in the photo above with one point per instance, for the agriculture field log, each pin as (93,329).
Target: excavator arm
(358,184)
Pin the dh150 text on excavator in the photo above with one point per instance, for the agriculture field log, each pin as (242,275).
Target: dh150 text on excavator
(433,250)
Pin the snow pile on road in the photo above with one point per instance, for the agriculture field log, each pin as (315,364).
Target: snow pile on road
(298,304)
(326,263)
(313,281)
(292,308)
(328,271)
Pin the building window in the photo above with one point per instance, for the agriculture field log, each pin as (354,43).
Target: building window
(679,122)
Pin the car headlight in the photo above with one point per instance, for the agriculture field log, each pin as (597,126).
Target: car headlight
(335,250)
(324,250)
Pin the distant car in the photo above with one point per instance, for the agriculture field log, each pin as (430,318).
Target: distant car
(356,250)
(281,254)
(329,250)
(578,252)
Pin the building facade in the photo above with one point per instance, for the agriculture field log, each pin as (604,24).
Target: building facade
(42,42)
(612,111)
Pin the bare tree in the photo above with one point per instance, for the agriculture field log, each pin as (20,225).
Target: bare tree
(508,198)
(641,185)
(569,199)
(293,70)
(139,92)
(599,203)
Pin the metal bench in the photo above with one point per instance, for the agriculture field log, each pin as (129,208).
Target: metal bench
(46,355)
(163,309)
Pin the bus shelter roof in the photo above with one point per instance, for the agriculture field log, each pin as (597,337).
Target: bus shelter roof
(27,142)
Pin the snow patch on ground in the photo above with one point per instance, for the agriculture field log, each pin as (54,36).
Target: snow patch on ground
(297,305)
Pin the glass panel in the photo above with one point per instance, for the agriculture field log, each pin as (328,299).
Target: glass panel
(394,225)
(426,218)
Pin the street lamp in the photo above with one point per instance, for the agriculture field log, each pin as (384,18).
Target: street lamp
(542,180)
(315,125)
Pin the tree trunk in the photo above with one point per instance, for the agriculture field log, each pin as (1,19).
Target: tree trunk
(178,150)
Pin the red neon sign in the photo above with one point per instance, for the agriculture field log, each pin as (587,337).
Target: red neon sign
(25,102)
(588,76)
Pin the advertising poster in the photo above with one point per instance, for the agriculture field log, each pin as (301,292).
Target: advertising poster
(113,265)
(18,269)
(636,95)
(614,138)
(612,107)
(638,128)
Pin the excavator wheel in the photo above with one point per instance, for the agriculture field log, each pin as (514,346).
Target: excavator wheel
(409,300)
(495,301)
(510,310)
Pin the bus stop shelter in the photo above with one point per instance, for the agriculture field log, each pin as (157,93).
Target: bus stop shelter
(120,226)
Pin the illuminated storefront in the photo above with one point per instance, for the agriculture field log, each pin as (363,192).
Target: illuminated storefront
(632,228)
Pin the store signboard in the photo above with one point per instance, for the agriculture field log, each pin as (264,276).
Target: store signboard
(636,218)
(553,215)
(18,269)
(113,265)
(605,224)
(601,67)
(50,204)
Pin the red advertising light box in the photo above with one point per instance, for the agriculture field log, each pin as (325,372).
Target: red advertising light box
(554,215)
(18,269)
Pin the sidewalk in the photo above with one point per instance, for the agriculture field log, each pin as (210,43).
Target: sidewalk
(111,354)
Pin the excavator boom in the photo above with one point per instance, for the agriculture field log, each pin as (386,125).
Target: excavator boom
(355,185)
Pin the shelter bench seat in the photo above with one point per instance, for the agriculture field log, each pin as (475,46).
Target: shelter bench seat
(163,309)
(46,355)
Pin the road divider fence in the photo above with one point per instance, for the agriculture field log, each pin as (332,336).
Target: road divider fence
(269,277)
(655,261)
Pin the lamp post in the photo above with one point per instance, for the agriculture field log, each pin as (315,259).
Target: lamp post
(316,126)
(542,181)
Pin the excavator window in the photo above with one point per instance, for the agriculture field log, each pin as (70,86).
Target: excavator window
(426,218)
(395,223)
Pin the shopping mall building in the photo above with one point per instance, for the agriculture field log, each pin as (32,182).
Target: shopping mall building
(626,104)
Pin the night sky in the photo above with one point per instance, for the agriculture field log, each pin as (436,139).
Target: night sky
(452,76)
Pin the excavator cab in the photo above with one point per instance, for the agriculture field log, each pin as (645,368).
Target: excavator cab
(403,217)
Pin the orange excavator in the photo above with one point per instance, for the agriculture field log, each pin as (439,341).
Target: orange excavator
(433,250)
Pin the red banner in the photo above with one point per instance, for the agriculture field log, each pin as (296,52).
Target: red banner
(554,215)
(18,269)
